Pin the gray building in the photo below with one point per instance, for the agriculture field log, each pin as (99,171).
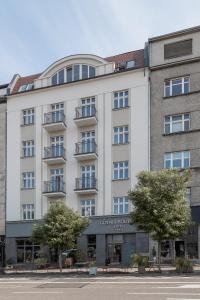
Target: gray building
(175,119)
(3,89)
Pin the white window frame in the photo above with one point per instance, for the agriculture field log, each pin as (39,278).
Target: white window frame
(88,205)
(120,202)
(120,168)
(120,132)
(28,148)
(171,157)
(72,67)
(28,180)
(172,122)
(28,212)
(28,116)
(121,98)
(170,85)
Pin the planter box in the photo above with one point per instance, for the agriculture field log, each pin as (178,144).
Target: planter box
(93,271)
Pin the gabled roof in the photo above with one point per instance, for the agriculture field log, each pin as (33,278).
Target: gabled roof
(137,56)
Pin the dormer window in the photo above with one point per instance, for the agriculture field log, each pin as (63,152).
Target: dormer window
(26,87)
(73,73)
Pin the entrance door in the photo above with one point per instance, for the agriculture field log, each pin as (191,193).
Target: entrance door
(114,253)
(180,248)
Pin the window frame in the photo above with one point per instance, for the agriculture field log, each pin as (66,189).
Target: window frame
(170,80)
(121,99)
(28,116)
(117,203)
(87,207)
(121,170)
(28,211)
(117,134)
(171,122)
(171,159)
(28,179)
(29,148)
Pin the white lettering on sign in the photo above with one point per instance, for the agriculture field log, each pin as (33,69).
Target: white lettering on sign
(114,222)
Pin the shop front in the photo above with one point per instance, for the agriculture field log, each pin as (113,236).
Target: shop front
(112,240)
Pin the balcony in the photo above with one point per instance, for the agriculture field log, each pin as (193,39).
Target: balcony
(86,185)
(86,150)
(85,115)
(54,155)
(54,121)
(54,189)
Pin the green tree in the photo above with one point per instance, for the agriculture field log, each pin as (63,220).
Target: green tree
(160,206)
(59,229)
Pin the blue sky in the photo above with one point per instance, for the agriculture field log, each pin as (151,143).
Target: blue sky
(35,33)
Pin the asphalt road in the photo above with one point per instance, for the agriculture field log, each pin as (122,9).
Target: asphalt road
(100,288)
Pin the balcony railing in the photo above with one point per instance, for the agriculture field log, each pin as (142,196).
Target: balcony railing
(54,186)
(85,147)
(86,111)
(86,183)
(54,152)
(54,117)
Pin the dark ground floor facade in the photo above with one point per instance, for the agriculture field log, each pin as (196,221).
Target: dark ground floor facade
(107,240)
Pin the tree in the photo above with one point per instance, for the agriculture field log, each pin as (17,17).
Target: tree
(160,206)
(59,229)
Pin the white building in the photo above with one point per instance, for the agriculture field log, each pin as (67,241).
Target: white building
(79,132)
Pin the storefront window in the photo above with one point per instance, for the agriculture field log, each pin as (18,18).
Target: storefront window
(26,251)
(91,249)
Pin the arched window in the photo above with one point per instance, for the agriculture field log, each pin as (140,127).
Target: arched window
(73,73)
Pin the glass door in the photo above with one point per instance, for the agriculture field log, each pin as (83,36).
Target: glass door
(57,143)
(88,177)
(88,141)
(57,112)
(57,176)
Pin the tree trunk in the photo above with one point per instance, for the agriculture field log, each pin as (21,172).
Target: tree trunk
(159,254)
(173,250)
(60,260)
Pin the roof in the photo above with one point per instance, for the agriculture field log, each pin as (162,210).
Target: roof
(24,80)
(3,86)
(175,33)
(137,55)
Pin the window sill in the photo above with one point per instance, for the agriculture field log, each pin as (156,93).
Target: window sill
(23,157)
(122,179)
(173,96)
(121,108)
(27,189)
(181,132)
(121,144)
(25,125)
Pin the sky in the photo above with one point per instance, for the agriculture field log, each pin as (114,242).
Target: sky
(36,33)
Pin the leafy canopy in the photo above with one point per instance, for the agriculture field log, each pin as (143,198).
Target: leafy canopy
(60,228)
(160,206)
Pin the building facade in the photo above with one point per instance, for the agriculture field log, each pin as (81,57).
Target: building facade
(78,132)
(3,92)
(175,120)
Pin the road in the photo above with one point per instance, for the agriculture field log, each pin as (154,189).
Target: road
(100,288)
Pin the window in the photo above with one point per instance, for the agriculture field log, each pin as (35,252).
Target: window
(28,148)
(177,123)
(91,243)
(26,251)
(87,208)
(120,205)
(121,135)
(120,170)
(28,180)
(72,73)
(177,160)
(28,116)
(26,87)
(57,112)
(28,211)
(130,64)
(88,107)
(120,99)
(177,86)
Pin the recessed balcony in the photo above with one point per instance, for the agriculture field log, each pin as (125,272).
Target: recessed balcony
(54,121)
(54,155)
(85,115)
(86,150)
(54,188)
(86,185)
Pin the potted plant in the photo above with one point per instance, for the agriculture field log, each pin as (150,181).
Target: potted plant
(92,268)
(183,265)
(141,262)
